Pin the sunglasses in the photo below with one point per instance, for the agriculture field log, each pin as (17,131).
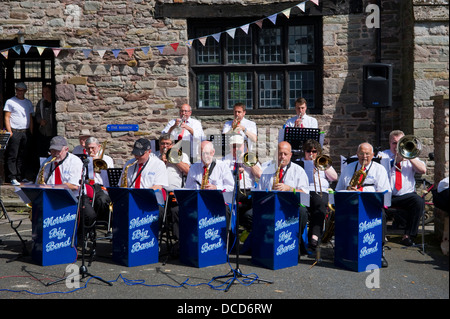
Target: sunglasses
(309,151)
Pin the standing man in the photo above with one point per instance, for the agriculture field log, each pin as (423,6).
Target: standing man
(19,123)
(185,128)
(240,125)
(145,170)
(44,120)
(403,183)
(302,119)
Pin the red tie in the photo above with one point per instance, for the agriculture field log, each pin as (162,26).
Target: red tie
(181,134)
(280,177)
(137,183)
(398,176)
(58,180)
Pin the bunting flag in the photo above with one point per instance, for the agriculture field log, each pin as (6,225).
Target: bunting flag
(188,43)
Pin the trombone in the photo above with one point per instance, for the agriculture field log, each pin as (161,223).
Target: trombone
(321,163)
(174,154)
(409,147)
(99,164)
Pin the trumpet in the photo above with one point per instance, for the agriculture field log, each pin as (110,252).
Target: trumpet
(235,124)
(177,130)
(99,163)
(40,179)
(124,180)
(409,147)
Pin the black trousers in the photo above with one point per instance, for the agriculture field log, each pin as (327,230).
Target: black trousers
(17,153)
(317,210)
(414,206)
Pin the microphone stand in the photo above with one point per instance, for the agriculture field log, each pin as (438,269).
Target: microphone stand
(81,193)
(236,272)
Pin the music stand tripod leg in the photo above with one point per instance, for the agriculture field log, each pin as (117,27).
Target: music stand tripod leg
(236,272)
(24,246)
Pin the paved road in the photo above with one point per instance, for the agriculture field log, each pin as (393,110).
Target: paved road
(410,275)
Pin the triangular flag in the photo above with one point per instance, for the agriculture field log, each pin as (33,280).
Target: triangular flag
(5,54)
(17,49)
(145,50)
(56,52)
(287,12)
(101,52)
(316,2)
(86,52)
(231,32)
(26,47)
(301,6)
(202,40)
(40,50)
(116,52)
(160,48)
(259,23)
(273,18)
(174,46)
(189,43)
(130,51)
(216,36)
(245,28)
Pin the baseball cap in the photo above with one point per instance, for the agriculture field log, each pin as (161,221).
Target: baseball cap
(21,85)
(141,146)
(57,143)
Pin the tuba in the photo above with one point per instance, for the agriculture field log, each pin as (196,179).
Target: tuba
(409,147)
(99,163)
(40,179)
(124,180)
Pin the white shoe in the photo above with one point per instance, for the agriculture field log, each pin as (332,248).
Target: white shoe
(14,182)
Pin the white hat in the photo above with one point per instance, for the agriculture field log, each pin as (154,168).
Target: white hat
(237,139)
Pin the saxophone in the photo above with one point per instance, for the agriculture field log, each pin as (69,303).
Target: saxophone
(276,178)
(124,180)
(205,179)
(358,179)
(40,179)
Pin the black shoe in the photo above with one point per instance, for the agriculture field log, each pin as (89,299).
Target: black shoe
(406,241)
(312,244)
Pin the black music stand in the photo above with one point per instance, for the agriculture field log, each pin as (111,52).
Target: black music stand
(4,137)
(296,136)
(114,176)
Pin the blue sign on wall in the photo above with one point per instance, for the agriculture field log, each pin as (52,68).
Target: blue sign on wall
(122,127)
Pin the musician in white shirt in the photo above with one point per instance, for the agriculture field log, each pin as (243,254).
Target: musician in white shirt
(402,177)
(241,125)
(301,119)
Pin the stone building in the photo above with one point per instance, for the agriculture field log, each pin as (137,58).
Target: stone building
(136,61)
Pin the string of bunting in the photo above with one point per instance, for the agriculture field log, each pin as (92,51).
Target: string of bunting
(188,43)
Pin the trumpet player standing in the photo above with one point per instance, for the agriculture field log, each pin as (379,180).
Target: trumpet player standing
(404,196)
(319,182)
(301,119)
(241,125)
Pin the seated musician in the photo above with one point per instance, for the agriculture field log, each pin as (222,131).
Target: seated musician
(65,168)
(209,173)
(290,177)
(176,173)
(99,181)
(248,175)
(82,137)
(319,179)
(241,125)
(402,177)
(145,170)
(376,179)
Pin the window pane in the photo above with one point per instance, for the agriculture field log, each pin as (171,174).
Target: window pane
(240,89)
(270,90)
(240,49)
(270,46)
(301,44)
(301,84)
(209,86)
(210,52)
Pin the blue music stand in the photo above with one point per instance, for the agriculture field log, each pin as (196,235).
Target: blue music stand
(202,227)
(275,241)
(135,226)
(358,229)
(54,217)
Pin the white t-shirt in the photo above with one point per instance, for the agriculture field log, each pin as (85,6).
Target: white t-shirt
(21,112)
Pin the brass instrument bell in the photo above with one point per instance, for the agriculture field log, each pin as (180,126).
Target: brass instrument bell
(409,147)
